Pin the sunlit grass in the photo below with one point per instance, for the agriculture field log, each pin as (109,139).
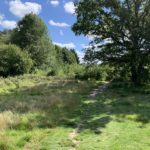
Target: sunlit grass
(38,113)
(34,108)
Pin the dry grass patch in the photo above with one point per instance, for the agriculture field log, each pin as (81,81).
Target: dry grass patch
(8,119)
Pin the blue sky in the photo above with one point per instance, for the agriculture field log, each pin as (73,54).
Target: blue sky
(58,15)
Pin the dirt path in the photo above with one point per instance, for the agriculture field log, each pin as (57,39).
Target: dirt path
(99,90)
(72,136)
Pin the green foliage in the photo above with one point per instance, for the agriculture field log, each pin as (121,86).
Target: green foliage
(121,33)
(29,30)
(65,56)
(42,53)
(31,35)
(39,72)
(66,70)
(5,36)
(98,72)
(76,56)
(52,72)
(24,140)
(121,73)
(13,61)
(70,70)
(66,63)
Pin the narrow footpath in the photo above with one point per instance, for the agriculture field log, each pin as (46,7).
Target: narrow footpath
(94,93)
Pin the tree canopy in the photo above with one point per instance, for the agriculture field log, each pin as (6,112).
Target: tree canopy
(31,35)
(5,36)
(28,48)
(121,32)
(66,56)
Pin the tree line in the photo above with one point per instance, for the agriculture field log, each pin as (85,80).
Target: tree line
(29,47)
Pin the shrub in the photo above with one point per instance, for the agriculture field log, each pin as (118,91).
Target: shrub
(65,70)
(39,72)
(53,69)
(52,73)
(13,61)
(97,72)
(81,75)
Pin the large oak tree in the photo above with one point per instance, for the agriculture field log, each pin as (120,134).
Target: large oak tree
(121,31)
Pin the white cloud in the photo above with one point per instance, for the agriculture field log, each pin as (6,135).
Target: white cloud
(58,24)
(69,7)
(90,37)
(80,55)
(61,32)
(20,9)
(67,45)
(54,3)
(1,17)
(86,46)
(7,24)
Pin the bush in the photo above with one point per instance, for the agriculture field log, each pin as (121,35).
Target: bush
(121,73)
(52,73)
(70,70)
(65,70)
(97,72)
(13,61)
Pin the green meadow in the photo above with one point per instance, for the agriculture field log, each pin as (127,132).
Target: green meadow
(39,113)
(75,75)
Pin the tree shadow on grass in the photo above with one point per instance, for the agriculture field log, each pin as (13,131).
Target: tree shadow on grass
(66,104)
(115,104)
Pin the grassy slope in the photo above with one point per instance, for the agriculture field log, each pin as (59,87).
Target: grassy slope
(38,113)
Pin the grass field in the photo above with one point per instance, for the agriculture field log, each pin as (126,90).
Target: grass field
(39,113)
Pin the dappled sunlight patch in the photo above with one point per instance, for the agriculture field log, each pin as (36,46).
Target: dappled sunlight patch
(116,135)
(70,91)
(89,101)
(96,124)
(123,117)
(108,101)
(132,117)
